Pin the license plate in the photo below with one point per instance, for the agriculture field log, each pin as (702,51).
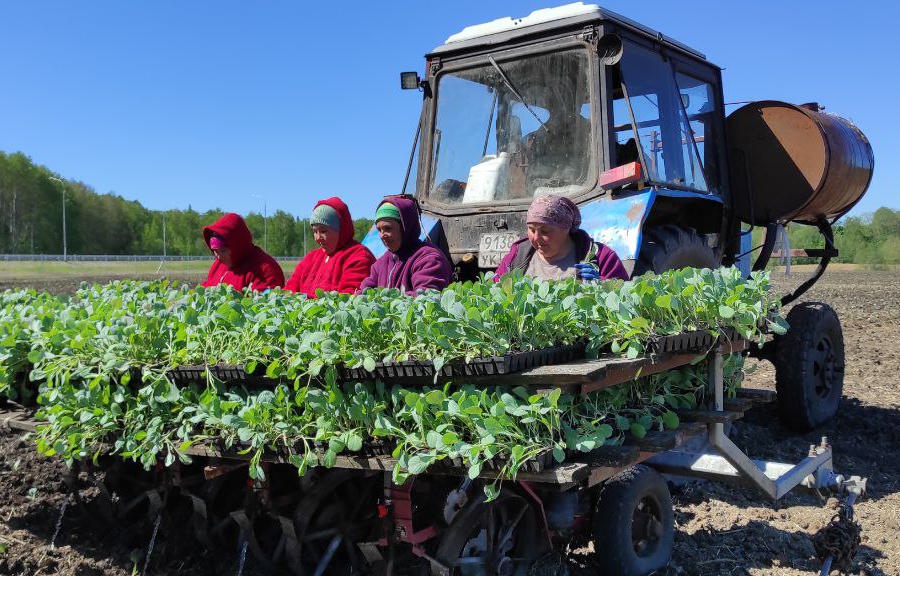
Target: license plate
(493,247)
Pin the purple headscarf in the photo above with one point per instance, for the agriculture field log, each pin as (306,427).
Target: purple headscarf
(556,211)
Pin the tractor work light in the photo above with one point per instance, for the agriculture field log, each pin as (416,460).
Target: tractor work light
(409,80)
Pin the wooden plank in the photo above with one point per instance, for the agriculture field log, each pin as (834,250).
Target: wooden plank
(757,396)
(655,441)
(611,456)
(661,441)
(18,420)
(709,416)
(572,472)
(622,372)
(595,374)
(738,404)
(687,430)
(573,373)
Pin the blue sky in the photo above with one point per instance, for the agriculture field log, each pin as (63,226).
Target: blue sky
(226,103)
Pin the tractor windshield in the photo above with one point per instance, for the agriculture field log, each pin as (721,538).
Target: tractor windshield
(509,130)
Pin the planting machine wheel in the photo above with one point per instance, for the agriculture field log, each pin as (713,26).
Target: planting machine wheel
(337,514)
(633,523)
(809,366)
(671,247)
(502,537)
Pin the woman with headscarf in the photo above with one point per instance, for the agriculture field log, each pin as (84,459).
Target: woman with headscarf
(556,248)
(238,262)
(340,263)
(409,264)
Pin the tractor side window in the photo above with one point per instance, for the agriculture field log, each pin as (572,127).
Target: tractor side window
(664,136)
(646,114)
(700,105)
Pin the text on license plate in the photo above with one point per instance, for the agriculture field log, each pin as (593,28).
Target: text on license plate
(493,247)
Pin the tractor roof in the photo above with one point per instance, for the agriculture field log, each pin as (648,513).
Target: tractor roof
(547,19)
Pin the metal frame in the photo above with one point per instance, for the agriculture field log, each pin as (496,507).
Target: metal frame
(729,463)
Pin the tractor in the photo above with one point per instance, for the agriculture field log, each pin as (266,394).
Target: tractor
(631,125)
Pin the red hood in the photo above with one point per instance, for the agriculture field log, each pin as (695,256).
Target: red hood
(346,233)
(231,228)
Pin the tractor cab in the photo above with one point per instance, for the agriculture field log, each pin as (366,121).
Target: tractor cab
(575,101)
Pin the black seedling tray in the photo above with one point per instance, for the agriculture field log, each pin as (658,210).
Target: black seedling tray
(690,341)
(512,362)
(186,375)
(539,463)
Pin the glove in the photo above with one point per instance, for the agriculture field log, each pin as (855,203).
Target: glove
(587,272)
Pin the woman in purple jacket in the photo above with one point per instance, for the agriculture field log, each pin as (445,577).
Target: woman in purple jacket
(557,249)
(409,264)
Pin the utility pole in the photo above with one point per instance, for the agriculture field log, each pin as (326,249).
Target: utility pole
(65,249)
(164,234)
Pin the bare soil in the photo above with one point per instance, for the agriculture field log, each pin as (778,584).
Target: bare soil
(60,285)
(720,529)
(726,530)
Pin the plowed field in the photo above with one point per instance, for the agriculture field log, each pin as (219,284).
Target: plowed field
(720,529)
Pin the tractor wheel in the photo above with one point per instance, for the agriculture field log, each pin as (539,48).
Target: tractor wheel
(672,247)
(809,366)
(634,523)
(501,537)
(330,522)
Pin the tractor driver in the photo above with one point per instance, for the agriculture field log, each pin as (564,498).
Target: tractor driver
(556,153)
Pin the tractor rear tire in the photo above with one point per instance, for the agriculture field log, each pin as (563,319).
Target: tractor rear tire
(809,366)
(633,523)
(672,247)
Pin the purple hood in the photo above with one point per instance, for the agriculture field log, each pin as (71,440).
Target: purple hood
(417,265)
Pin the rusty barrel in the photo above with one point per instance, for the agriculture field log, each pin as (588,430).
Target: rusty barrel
(795,163)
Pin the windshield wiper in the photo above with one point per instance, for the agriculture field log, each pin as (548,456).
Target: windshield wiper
(515,92)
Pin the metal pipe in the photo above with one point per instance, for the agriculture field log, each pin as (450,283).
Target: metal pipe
(715,467)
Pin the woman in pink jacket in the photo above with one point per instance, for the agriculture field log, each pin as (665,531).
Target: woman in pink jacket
(555,248)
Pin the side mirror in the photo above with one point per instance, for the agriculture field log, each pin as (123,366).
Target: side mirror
(409,80)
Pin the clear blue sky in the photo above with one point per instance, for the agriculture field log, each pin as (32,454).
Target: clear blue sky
(219,104)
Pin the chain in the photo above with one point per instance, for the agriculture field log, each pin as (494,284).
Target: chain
(839,539)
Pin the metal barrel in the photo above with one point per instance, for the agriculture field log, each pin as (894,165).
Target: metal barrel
(795,163)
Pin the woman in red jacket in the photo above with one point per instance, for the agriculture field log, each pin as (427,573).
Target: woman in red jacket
(340,263)
(239,263)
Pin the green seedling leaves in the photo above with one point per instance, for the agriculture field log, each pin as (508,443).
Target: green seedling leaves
(82,350)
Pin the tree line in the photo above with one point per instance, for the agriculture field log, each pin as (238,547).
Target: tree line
(867,239)
(31,220)
(31,223)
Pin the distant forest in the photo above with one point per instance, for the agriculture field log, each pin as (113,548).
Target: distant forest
(31,220)
(31,223)
(867,239)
